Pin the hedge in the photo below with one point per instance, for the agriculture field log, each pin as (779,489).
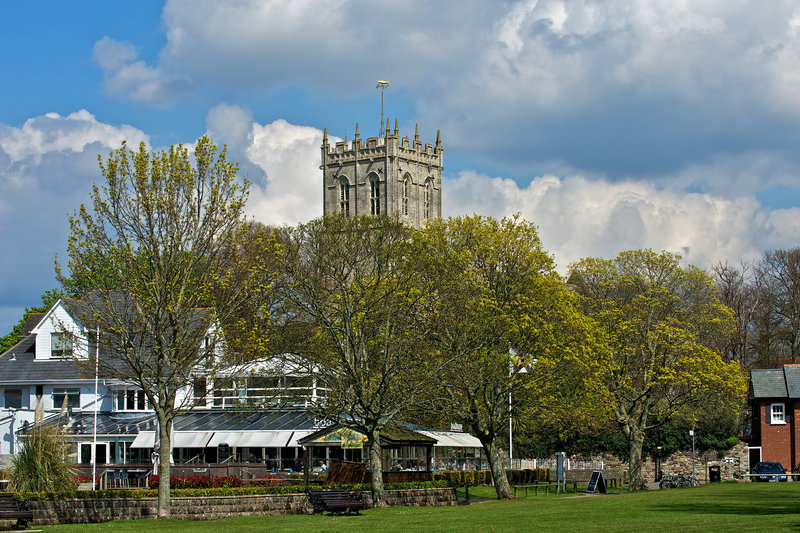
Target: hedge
(221,491)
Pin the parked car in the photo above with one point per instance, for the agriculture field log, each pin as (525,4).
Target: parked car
(769,472)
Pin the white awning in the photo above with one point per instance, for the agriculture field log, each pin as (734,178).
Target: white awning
(251,439)
(145,439)
(180,439)
(190,439)
(299,434)
(262,439)
(453,439)
(227,437)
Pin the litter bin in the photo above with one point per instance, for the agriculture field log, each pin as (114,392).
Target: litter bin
(714,475)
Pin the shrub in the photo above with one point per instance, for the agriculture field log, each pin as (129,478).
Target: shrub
(43,462)
(469,478)
(197,482)
(270,480)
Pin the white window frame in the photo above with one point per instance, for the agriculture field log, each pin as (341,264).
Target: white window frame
(61,345)
(73,395)
(777,413)
(124,398)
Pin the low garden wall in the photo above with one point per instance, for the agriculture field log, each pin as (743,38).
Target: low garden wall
(84,510)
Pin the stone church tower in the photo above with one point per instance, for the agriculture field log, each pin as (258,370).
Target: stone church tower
(385,175)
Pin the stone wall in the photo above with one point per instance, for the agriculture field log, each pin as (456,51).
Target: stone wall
(102,510)
(681,462)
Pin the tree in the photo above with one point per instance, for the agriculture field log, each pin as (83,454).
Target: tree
(507,326)
(350,285)
(781,273)
(156,245)
(15,335)
(738,289)
(659,320)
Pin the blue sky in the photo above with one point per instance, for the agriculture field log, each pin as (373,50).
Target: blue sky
(611,125)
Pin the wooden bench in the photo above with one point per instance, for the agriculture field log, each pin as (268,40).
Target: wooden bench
(11,508)
(334,501)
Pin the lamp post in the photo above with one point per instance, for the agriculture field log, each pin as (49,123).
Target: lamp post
(694,478)
(658,463)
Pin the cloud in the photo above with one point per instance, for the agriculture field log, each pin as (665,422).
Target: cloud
(289,156)
(609,88)
(580,217)
(47,167)
(129,77)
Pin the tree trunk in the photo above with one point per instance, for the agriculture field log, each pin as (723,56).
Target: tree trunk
(501,485)
(635,442)
(376,468)
(165,441)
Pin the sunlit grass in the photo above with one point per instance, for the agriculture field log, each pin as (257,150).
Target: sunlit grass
(727,507)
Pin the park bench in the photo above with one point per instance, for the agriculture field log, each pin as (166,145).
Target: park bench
(334,501)
(11,507)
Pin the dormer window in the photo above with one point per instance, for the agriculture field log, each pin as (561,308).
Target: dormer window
(60,345)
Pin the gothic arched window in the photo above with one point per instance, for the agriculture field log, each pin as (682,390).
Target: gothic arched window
(344,197)
(404,197)
(375,196)
(426,200)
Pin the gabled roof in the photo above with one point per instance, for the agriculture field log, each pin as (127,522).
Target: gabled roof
(776,382)
(17,365)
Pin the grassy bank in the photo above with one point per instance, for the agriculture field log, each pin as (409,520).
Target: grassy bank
(728,507)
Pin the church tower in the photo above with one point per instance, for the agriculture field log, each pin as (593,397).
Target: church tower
(384,175)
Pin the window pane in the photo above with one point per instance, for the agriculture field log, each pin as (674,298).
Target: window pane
(72,396)
(61,344)
(13,398)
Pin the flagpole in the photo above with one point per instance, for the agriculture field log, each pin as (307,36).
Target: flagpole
(94,426)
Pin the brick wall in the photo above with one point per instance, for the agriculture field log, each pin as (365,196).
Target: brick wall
(779,442)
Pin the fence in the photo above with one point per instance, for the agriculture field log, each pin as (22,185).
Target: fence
(550,462)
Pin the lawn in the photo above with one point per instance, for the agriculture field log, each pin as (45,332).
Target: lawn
(727,507)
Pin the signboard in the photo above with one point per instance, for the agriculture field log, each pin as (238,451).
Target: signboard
(344,437)
(456,427)
(596,483)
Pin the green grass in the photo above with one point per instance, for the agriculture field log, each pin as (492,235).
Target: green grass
(738,507)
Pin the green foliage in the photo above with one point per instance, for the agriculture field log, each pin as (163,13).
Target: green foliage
(46,495)
(351,287)
(158,247)
(660,322)
(509,327)
(43,462)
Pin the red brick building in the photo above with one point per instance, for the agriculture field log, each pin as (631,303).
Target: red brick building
(775,400)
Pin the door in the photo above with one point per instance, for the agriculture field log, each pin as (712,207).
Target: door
(753,458)
(86,453)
